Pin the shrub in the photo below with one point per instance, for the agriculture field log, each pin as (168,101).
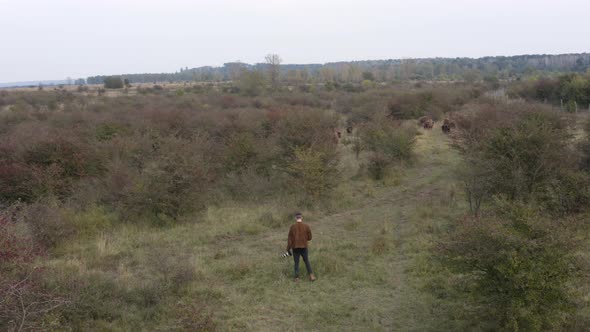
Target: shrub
(57,162)
(565,194)
(17,244)
(25,302)
(17,182)
(49,223)
(113,82)
(393,142)
(305,128)
(357,146)
(522,153)
(170,185)
(378,165)
(515,266)
(314,172)
(251,83)
(407,106)
(524,156)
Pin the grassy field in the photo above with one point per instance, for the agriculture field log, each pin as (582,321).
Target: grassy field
(370,256)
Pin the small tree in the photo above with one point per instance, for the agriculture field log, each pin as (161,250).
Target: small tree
(368,76)
(523,154)
(515,267)
(395,143)
(273,62)
(357,146)
(313,171)
(251,83)
(388,144)
(113,82)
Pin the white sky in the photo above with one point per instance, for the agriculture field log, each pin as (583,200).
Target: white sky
(54,39)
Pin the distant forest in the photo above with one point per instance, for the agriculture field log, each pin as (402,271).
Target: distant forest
(440,69)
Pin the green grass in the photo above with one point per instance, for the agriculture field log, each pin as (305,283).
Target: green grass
(223,271)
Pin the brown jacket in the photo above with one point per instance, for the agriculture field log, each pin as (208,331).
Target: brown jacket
(299,234)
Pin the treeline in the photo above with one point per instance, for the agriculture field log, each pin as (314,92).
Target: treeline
(500,67)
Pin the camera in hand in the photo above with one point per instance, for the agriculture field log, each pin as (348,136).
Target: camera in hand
(287,254)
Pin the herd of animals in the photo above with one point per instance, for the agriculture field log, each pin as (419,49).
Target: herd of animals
(425,122)
(339,133)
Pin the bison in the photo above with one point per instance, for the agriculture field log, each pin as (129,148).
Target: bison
(426,122)
(447,126)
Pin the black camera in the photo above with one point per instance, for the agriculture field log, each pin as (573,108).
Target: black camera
(287,254)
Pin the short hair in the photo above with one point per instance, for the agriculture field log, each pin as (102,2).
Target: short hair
(297,215)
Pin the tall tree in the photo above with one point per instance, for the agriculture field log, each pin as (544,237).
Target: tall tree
(273,62)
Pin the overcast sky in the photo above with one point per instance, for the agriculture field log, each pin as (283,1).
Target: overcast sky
(54,39)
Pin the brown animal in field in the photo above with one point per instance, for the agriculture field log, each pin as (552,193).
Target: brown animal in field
(336,137)
(447,126)
(426,122)
(349,130)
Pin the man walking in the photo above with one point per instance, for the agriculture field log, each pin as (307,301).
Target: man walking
(299,234)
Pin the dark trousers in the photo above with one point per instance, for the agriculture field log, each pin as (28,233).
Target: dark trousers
(301,252)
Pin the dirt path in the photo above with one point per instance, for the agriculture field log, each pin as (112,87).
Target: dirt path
(362,258)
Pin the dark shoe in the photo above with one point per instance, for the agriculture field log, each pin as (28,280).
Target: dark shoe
(312,277)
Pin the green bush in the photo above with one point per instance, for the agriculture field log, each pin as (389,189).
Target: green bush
(393,142)
(170,185)
(251,83)
(523,153)
(17,182)
(378,166)
(305,128)
(314,172)
(113,82)
(50,223)
(58,163)
(566,194)
(515,266)
(240,152)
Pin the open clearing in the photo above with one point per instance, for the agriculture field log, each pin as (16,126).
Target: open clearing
(371,260)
